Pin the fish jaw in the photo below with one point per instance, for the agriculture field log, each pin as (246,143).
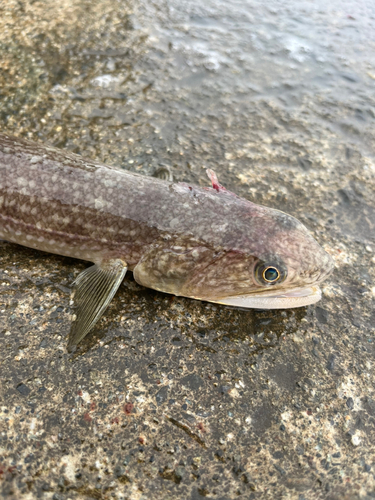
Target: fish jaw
(296,297)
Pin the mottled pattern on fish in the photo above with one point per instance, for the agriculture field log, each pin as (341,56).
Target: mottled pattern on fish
(178,238)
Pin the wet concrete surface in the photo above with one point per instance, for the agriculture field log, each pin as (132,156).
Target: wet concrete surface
(170,397)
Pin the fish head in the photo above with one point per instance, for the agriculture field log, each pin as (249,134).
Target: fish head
(277,265)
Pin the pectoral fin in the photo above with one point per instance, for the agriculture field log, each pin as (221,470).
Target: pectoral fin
(94,290)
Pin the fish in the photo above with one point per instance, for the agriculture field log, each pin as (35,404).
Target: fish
(205,243)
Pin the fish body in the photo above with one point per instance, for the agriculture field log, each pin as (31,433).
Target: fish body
(204,243)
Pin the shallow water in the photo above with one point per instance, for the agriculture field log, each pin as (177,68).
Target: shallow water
(309,58)
(223,59)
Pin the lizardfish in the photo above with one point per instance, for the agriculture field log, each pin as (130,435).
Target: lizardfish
(204,243)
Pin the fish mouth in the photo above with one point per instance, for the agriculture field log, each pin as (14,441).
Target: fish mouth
(297,297)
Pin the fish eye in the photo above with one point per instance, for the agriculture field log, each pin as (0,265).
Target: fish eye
(270,273)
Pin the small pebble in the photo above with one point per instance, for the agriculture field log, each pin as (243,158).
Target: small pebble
(356,440)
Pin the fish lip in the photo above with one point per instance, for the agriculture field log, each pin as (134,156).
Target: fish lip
(274,299)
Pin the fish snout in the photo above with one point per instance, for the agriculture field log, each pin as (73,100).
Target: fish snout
(322,267)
